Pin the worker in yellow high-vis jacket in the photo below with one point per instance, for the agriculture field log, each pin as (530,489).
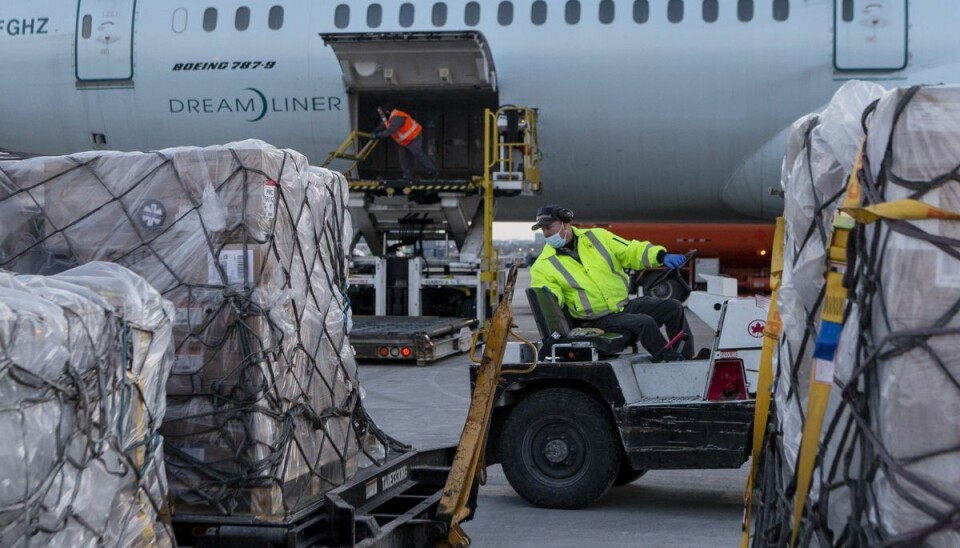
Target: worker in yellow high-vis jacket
(584,269)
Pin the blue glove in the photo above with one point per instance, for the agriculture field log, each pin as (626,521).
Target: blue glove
(673,261)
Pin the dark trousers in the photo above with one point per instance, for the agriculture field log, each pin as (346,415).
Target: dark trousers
(641,320)
(414,152)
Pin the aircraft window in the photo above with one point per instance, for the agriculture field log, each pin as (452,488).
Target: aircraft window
(374,15)
(538,12)
(275,18)
(87,26)
(406,14)
(606,11)
(439,15)
(471,14)
(505,13)
(641,11)
(847,11)
(781,10)
(341,16)
(179,20)
(209,19)
(711,10)
(745,10)
(242,19)
(675,11)
(571,12)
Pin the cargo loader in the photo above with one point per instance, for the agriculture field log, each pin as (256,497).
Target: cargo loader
(428,275)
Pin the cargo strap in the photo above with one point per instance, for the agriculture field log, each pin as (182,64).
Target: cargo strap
(771,333)
(825,348)
(900,210)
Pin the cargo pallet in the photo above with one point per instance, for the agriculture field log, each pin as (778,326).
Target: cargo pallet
(392,505)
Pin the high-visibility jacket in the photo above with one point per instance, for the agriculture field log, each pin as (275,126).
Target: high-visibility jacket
(408,131)
(597,285)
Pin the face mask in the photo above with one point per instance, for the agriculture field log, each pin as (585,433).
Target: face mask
(556,241)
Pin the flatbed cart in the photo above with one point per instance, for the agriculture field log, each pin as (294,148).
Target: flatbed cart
(421,339)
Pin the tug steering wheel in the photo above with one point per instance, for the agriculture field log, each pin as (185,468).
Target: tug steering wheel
(680,290)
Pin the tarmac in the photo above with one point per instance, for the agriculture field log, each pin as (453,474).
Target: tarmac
(426,407)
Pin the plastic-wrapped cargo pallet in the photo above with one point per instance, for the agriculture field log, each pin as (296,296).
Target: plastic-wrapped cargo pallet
(821,149)
(84,356)
(888,468)
(249,243)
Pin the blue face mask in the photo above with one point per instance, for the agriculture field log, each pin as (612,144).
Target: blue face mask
(556,241)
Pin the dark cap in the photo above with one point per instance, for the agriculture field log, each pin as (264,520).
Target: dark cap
(549,214)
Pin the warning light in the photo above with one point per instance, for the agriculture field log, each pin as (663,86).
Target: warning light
(384,351)
(763,252)
(394,351)
(405,352)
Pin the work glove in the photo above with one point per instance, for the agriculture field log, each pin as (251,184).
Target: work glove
(673,261)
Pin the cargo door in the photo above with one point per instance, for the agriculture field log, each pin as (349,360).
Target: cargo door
(104,41)
(423,61)
(870,35)
(445,80)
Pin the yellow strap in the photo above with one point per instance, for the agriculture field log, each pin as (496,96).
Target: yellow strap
(816,409)
(903,210)
(765,379)
(821,374)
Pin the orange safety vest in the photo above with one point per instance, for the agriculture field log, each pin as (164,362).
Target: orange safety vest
(408,131)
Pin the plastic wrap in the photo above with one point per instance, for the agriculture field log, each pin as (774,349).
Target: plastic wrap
(812,193)
(821,149)
(250,244)
(85,355)
(888,465)
(907,362)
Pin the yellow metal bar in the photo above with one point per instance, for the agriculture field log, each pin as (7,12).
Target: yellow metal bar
(771,333)
(467,464)
(488,270)
(353,140)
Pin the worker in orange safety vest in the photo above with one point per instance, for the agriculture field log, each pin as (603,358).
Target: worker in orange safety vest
(406,132)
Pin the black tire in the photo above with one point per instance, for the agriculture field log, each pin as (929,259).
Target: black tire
(560,449)
(668,289)
(627,474)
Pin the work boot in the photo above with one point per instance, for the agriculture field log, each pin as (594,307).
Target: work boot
(703,354)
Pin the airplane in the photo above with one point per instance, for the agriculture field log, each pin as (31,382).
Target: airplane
(649,111)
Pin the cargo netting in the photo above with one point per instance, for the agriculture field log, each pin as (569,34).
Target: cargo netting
(884,469)
(84,356)
(250,243)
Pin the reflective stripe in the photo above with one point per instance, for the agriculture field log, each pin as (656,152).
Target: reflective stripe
(606,255)
(581,292)
(645,258)
(413,128)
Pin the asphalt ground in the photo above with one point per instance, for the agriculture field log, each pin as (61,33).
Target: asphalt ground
(426,407)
